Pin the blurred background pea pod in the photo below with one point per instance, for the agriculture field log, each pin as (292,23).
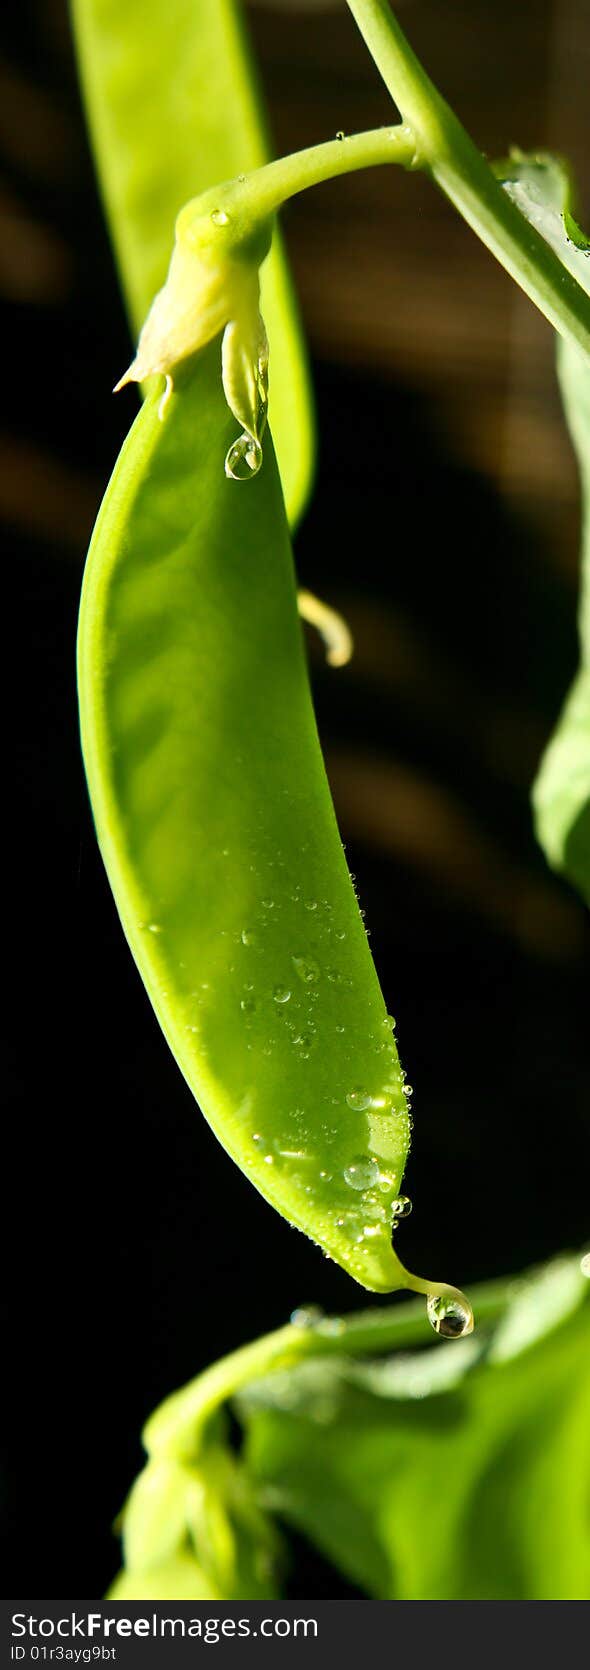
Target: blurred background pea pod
(167,122)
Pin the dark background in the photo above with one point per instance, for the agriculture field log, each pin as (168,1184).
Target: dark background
(445,525)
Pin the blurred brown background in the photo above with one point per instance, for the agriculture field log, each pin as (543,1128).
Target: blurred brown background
(445,524)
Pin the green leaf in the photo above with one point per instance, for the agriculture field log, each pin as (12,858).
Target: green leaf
(561,793)
(541,187)
(173,108)
(217,829)
(460,1472)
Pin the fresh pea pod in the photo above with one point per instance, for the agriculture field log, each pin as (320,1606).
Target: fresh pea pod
(173,106)
(218,832)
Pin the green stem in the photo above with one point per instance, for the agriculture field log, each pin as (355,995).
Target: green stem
(267,188)
(177,1427)
(449,155)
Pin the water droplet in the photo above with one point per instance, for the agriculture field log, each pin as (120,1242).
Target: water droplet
(340,134)
(153,927)
(585,1264)
(389,1023)
(371,1230)
(281,994)
(310,904)
(257,1139)
(377,1212)
(340,933)
(335,976)
(387,1181)
(220,218)
(306,1316)
(361,1174)
(248,936)
(448,1316)
(359,1099)
(340,1028)
(326,1176)
(402,1207)
(268,1159)
(307,970)
(248,1004)
(332,1326)
(408,1089)
(268,904)
(244,458)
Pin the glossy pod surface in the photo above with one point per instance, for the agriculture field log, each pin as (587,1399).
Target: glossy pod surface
(218,833)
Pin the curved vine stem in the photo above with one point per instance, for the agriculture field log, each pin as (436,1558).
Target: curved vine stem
(446,151)
(178,1426)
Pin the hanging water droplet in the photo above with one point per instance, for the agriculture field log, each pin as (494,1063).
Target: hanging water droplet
(361,1174)
(585,1264)
(307,970)
(244,458)
(281,994)
(220,218)
(402,1207)
(359,1099)
(306,1316)
(449,1317)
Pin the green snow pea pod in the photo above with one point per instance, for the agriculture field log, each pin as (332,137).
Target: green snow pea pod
(209,793)
(218,833)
